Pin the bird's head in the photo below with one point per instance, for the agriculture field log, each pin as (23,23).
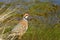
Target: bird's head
(26,15)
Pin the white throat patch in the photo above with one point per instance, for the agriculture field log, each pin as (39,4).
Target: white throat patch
(26,17)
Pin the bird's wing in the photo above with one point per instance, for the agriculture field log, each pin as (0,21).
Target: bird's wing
(17,28)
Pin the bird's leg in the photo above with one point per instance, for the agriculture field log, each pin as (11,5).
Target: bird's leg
(19,37)
(11,35)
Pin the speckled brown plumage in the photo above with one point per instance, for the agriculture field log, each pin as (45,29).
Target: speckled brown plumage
(21,27)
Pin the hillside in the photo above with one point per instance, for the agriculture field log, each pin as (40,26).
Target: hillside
(44,23)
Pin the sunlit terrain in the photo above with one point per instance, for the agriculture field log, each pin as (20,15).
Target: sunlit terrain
(44,22)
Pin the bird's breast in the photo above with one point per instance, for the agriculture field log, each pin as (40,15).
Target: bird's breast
(21,27)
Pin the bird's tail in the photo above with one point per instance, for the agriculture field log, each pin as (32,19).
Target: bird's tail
(11,36)
(8,37)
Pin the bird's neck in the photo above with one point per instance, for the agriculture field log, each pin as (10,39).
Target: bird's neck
(24,19)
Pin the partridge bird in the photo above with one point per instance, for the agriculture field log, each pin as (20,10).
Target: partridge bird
(20,28)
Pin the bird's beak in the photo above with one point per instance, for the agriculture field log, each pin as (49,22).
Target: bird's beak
(30,17)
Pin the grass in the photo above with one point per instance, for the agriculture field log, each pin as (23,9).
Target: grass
(38,30)
(42,33)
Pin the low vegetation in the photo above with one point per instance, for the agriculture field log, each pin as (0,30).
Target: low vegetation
(43,25)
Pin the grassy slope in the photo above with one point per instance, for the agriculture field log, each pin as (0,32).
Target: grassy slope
(37,29)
